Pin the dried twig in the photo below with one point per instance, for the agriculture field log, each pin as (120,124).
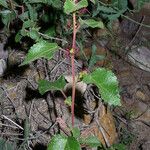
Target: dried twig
(12,122)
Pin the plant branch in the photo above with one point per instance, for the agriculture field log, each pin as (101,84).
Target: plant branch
(72,52)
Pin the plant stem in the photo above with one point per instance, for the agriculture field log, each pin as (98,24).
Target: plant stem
(73,66)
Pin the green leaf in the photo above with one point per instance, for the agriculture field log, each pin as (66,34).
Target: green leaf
(33,34)
(45,86)
(26,129)
(29,23)
(91,141)
(68,101)
(18,36)
(3,3)
(140,3)
(70,6)
(123,4)
(32,12)
(76,132)
(56,3)
(50,31)
(92,23)
(107,84)
(4,145)
(58,142)
(72,144)
(7,17)
(119,146)
(94,58)
(41,49)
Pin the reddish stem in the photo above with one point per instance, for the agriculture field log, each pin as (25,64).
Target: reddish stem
(73,66)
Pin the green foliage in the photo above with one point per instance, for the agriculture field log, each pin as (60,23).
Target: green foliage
(92,23)
(75,132)
(68,101)
(45,86)
(140,3)
(54,3)
(7,17)
(5,145)
(107,83)
(91,141)
(41,49)
(60,142)
(26,129)
(72,144)
(112,11)
(70,6)
(3,3)
(57,142)
(94,58)
(119,146)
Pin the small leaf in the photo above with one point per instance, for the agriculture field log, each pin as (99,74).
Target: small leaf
(45,86)
(29,23)
(119,146)
(7,16)
(70,6)
(33,34)
(123,5)
(76,132)
(92,23)
(3,3)
(94,58)
(72,144)
(18,36)
(91,141)
(41,49)
(107,84)
(50,31)
(58,142)
(4,145)
(26,129)
(68,101)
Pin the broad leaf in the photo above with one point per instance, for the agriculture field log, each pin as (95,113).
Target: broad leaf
(92,23)
(45,86)
(91,141)
(107,84)
(58,142)
(70,6)
(75,132)
(3,3)
(72,144)
(41,49)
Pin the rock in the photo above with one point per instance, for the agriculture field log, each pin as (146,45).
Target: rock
(107,123)
(3,67)
(140,95)
(140,57)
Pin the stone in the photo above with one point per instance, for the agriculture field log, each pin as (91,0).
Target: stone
(140,95)
(140,57)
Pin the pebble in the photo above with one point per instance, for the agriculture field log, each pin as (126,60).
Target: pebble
(3,67)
